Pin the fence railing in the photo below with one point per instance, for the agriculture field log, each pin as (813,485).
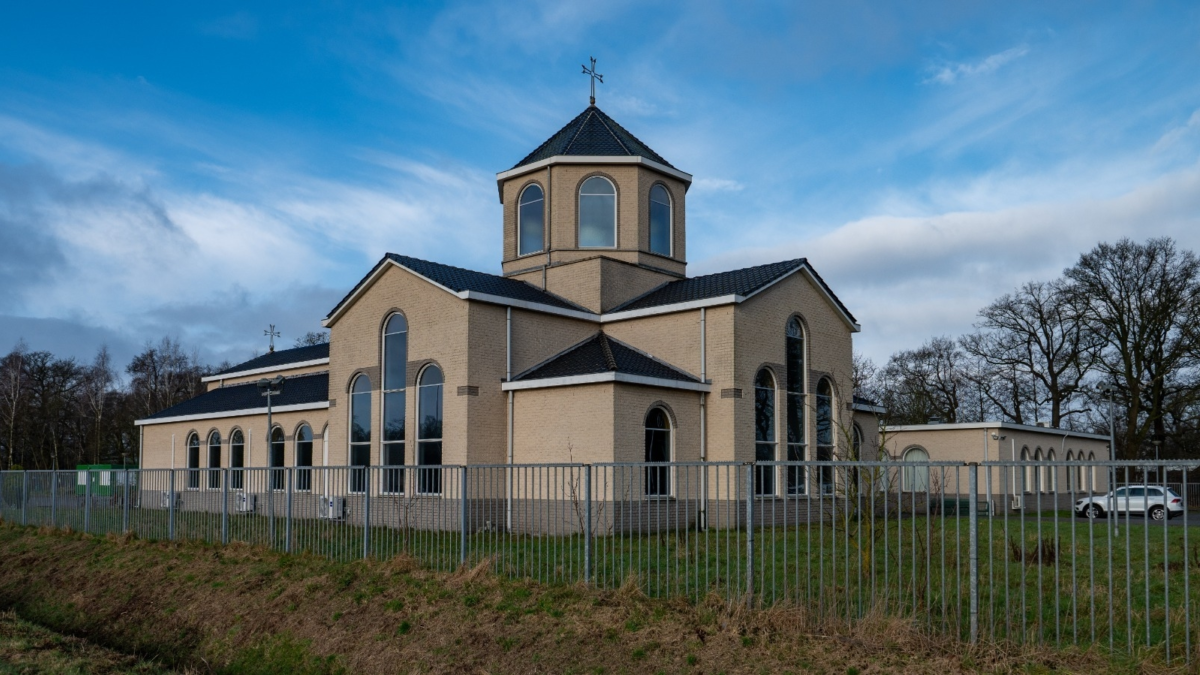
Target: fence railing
(1045,552)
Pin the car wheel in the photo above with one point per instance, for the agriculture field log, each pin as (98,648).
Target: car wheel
(1093,511)
(1157,513)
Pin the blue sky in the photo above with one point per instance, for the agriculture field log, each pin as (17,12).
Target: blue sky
(202,170)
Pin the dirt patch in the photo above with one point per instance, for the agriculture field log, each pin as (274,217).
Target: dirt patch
(243,609)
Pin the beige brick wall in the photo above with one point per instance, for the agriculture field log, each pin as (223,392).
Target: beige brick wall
(674,338)
(968,445)
(633,403)
(564,424)
(158,439)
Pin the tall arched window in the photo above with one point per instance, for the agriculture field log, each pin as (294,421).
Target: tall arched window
(193,462)
(1035,485)
(275,457)
(796,484)
(1026,472)
(597,213)
(915,476)
(304,458)
(660,220)
(429,430)
(825,433)
(531,229)
(214,460)
(395,365)
(764,432)
(360,432)
(1051,482)
(237,459)
(658,449)
(1091,472)
(1072,482)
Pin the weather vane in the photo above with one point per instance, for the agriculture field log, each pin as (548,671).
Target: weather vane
(272,333)
(595,76)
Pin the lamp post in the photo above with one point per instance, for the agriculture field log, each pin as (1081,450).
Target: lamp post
(269,388)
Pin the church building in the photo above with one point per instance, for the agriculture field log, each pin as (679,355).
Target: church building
(591,345)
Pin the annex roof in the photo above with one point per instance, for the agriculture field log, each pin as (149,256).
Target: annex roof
(301,392)
(601,358)
(738,284)
(276,360)
(466,284)
(592,134)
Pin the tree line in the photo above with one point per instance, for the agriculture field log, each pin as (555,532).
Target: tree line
(1119,330)
(57,413)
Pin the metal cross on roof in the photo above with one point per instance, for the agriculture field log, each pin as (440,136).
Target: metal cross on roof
(272,333)
(595,76)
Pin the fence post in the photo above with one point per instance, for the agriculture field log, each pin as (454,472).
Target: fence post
(287,523)
(367,514)
(53,499)
(462,512)
(587,523)
(24,496)
(973,548)
(171,508)
(224,506)
(749,534)
(125,505)
(87,501)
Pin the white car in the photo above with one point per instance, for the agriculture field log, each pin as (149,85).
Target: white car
(1132,499)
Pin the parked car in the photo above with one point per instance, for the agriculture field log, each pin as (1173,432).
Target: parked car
(1132,499)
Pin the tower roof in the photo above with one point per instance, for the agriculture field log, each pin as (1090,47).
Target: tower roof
(594,134)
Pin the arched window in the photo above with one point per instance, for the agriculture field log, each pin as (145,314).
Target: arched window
(531,219)
(1050,484)
(214,460)
(597,213)
(1072,481)
(395,364)
(429,430)
(658,449)
(360,432)
(825,433)
(660,220)
(1026,472)
(764,432)
(193,462)
(275,459)
(237,459)
(1091,471)
(304,458)
(796,446)
(1035,485)
(915,477)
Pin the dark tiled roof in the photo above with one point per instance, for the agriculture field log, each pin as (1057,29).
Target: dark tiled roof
(300,389)
(602,354)
(458,279)
(596,134)
(281,358)
(741,282)
(864,401)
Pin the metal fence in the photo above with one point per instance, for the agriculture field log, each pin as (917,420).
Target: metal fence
(995,551)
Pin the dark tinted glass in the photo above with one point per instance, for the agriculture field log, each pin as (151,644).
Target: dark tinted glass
(431,375)
(764,414)
(360,417)
(532,225)
(657,419)
(660,221)
(393,416)
(395,347)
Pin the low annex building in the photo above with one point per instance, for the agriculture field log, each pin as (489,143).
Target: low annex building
(592,345)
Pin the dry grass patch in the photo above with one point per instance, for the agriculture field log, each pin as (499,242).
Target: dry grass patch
(243,609)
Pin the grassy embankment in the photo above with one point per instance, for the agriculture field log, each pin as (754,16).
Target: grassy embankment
(245,609)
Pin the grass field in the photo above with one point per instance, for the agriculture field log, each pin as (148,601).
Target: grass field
(28,649)
(250,610)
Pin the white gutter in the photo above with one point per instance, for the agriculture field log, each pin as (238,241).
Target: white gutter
(268,369)
(594,159)
(1050,431)
(295,407)
(609,376)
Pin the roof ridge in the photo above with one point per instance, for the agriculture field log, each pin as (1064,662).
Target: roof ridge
(606,349)
(614,134)
(590,112)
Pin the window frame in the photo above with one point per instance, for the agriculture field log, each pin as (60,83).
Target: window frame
(579,195)
(908,470)
(276,473)
(670,204)
(213,481)
(765,480)
(659,474)
(393,478)
(521,219)
(237,472)
(358,475)
(826,477)
(430,478)
(796,407)
(303,472)
(193,461)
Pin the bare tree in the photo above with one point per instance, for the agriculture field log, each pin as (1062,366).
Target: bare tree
(926,383)
(12,376)
(1143,300)
(97,384)
(317,337)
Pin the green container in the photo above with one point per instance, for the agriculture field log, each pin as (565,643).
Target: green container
(106,479)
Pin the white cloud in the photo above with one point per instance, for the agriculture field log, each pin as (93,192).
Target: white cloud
(952,72)
(716,185)
(1173,137)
